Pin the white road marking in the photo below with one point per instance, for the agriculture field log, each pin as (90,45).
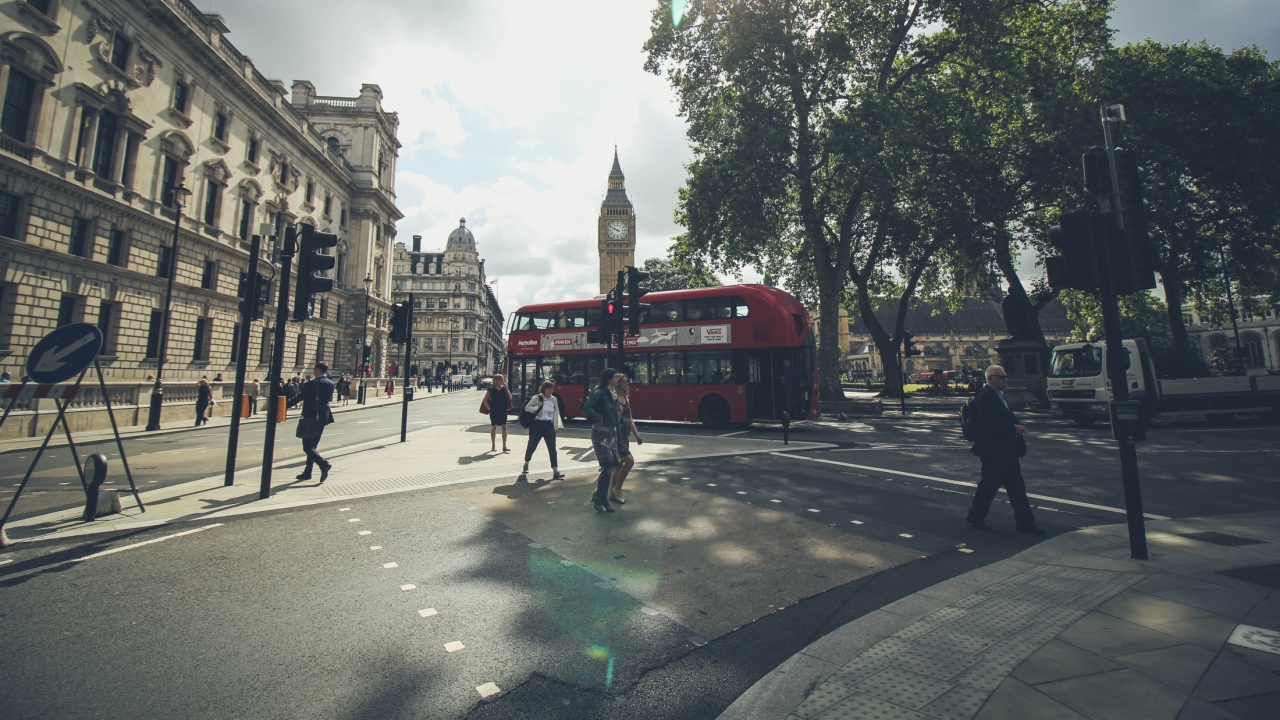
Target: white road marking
(365,532)
(649,611)
(742,492)
(375,547)
(856,522)
(428,612)
(684,478)
(344,509)
(488,689)
(6,562)
(777,501)
(152,541)
(1077,503)
(388,566)
(566,563)
(711,484)
(407,588)
(535,546)
(354,520)
(455,646)
(733,434)
(814,510)
(965,550)
(64,483)
(906,535)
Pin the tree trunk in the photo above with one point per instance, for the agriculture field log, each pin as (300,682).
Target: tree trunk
(1184,356)
(828,338)
(886,345)
(1021,317)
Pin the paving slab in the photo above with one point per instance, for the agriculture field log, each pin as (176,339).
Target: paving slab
(1120,695)
(1015,700)
(1109,636)
(1058,660)
(1180,665)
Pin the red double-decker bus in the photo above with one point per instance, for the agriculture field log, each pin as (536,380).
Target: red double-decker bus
(713,355)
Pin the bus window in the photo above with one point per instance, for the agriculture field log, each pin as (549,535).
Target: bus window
(638,367)
(574,318)
(740,308)
(553,367)
(521,321)
(708,367)
(720,308)
(577,370)
(666,312)
(542,321)
(667,368)
(593,317)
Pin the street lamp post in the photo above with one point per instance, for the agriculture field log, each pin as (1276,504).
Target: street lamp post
(180,194)
(453,324)
(368,280)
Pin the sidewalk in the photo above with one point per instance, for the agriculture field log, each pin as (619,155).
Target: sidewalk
(431,457)
(60,440)
(1069,629)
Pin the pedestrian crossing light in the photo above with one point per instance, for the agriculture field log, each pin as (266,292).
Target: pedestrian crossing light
(311,260)
(399,323)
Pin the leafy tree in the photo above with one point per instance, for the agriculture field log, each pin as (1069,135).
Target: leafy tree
(790,107)
(1206,127)
(1142,315)
(676,274)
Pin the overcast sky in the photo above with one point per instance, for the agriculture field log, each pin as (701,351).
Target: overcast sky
(510,111)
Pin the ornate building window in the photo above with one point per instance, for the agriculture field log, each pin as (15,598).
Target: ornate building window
(28,66)
(175,151)
(216,174)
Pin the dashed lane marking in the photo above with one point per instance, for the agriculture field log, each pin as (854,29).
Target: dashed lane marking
(365,532)
(856,522)
(407,588)
(354,520)
(965,550)
(949,481)
(711,484)
(814,510)
(388,566)
(428,612)
(152,541)
(742,492)
(905,535)
(777,501)
(344,509)
(375,547)
(454,646)
(488,689)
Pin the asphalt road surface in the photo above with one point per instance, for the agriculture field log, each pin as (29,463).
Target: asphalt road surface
(294,614)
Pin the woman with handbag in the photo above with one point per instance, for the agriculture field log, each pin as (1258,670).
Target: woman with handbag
(497,401)
(545,409)
(602,410)
(626,427)
(204,398)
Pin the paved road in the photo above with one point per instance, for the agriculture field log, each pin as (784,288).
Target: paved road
(176,457)
(293,614)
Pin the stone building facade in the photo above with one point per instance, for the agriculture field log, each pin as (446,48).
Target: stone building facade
(948,340)
(616,231)
(110,106)
(457,322)
(1259,336)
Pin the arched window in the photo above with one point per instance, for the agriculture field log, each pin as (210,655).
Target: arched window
(1252,343)
(333,143)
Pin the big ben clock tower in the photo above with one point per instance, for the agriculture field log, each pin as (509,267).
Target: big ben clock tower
(617,233)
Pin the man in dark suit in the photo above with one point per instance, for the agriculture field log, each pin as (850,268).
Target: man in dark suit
(999,445)
(315,396)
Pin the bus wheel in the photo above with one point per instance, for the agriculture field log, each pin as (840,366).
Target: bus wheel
(714,412)
(1084,422)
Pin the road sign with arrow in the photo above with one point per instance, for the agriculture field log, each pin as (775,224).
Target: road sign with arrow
(64,353)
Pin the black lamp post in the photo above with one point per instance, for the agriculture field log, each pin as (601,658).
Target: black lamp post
(368,281)
(180,194)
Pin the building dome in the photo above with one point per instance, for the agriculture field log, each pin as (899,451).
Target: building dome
(462,236)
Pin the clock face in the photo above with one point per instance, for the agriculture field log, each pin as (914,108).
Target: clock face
(617,230)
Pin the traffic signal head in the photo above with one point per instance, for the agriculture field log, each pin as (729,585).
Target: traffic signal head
(310,262)
(399,323)
(908,344)
(635,292)
(367,355)
(1076,266)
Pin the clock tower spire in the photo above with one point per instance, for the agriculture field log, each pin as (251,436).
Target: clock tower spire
(616,240)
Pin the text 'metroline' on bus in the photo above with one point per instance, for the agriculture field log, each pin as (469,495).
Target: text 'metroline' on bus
(720,356)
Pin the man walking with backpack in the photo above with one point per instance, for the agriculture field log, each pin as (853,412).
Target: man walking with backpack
(997,440)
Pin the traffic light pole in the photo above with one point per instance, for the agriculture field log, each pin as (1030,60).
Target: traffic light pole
(247,305)
(277,361)
(404,394)
(1117,358)
(620,303)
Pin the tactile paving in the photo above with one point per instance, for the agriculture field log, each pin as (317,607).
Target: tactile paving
(984,675)
(903,687)
(864,707)
(826,695)
(932,661)
(958,703)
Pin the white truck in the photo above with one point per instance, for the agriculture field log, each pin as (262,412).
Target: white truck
(1079,388)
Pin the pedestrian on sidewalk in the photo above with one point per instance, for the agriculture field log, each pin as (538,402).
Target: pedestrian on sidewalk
(497,401)
(545,408)
(251,390)
(626,426)
(602,410)
(204,396)
(1000,443)
(391,388)
(315,396)
(344,389)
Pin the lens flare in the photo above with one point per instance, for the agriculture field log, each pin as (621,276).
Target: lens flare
(677,11)
(598,652)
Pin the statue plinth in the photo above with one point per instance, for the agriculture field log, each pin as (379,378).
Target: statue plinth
(1027,364)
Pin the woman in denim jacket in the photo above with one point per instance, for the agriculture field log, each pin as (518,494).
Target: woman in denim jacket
(602,410)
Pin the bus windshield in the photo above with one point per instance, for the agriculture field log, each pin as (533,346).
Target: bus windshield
(1076,362)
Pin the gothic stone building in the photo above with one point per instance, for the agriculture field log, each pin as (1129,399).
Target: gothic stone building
(456,319)
(616,232)
(108,106)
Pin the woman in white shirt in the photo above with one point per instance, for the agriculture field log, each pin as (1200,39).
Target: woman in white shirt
(546,420)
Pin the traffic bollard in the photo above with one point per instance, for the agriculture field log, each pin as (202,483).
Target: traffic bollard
(99,501)
(282,408)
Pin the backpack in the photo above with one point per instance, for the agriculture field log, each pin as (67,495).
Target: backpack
(969,420)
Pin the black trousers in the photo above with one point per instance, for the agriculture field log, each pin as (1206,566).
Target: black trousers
(201,409)
(1007,472)
(313,456)
(542,429)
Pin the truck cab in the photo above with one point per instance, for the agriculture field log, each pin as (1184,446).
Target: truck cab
(1078,384)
